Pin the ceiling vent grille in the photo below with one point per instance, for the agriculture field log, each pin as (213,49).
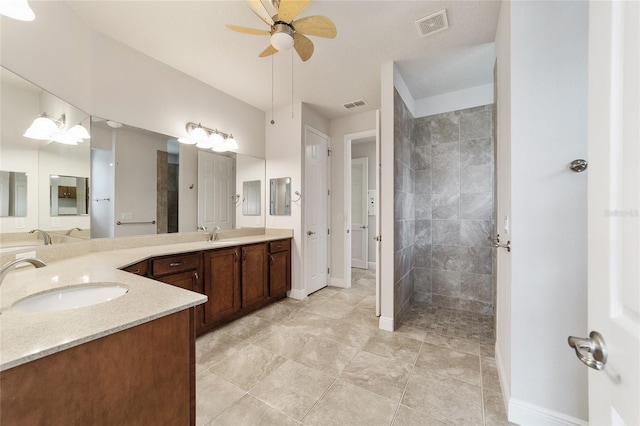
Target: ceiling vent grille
(355,104)
(432,24)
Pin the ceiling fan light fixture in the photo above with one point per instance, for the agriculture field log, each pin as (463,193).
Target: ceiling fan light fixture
(282,37)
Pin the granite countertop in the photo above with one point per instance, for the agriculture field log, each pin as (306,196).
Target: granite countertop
(27,336)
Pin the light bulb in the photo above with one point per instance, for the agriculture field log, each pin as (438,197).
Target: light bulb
(231,143)
(17,9)
(199,134)
(66,138)
(42,128)
(187,141)
(281,41)
(79,131)
(217,142)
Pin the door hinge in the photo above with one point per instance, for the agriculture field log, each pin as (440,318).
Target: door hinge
(328,231)
(328,270)
(329,192)
(328,153)
(378,238)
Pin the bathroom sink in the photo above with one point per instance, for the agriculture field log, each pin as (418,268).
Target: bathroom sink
(225,242)
(73,297)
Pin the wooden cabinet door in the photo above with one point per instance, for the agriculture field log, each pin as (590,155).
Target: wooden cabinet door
(255,287)
(279,273)
(189,280)
(222,286)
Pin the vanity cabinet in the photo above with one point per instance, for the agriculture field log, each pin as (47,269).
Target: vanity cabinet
(140,268)
(279,268)
(184,271)
(255,287)
(222,284)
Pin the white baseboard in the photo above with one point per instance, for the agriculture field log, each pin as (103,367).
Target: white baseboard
(337,282)
(371,265)
(523,413)
(386,324)
(298,294)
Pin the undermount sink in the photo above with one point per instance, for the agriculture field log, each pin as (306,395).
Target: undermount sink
(73,297)
(224,242)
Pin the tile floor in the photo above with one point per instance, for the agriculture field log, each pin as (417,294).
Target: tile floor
(323,361)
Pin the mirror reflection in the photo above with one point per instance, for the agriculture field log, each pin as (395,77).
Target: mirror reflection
(13,194)
(69,195)
(251,198)
(40,135)
(280,197)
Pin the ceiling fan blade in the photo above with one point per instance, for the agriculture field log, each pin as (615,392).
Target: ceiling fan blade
(268,51)
(258,8)
(303,46)
(318,26)
(246,30)
(290,9)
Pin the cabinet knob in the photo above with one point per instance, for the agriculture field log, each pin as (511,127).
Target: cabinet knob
(271,260)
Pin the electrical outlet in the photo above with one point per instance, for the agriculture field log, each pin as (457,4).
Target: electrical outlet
(55,222)
(25,255)
(18,223)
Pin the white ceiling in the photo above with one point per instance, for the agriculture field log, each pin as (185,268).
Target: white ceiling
(191,36)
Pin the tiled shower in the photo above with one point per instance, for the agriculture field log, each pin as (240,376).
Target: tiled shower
(444,209)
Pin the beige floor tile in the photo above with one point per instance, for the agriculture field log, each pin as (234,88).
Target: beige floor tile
(248,411)
(307,322)
(213,395)
(292,388)
(417,333)
(283,340)
(488,350)
(248,366)
(331,308)
(494,410)
(394,346)
(457,344)
(345,332)
(382,376)
(214,347)
(368,302)
(353,296)
(278,312)
(346,404)
(443,398)
(454,364)
(490,378)
(326,355)
(247,328)
(366,317)
(408,417)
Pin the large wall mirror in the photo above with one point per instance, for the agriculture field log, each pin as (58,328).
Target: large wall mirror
(128,181)
(32,154)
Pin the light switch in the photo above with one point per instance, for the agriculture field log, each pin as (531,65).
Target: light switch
(55,222)
(18,223)
(506,225)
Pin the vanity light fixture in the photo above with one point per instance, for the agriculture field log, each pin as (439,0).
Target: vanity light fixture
(206,138)
(17,9)
(49,129)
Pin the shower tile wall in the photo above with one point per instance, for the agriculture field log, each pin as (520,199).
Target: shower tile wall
(453,169)
(404,224)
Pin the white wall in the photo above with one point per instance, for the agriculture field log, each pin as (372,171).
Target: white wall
(368,150)
(339,127)
(548,295)
(283,154)
(454,101)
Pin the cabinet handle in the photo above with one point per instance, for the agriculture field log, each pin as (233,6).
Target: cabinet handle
(137,271)
(174,264)
(279,246)
(244,255)
(235,255)
(271,260)
(195,275)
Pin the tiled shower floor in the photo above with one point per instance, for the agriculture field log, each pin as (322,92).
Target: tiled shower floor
(323,361)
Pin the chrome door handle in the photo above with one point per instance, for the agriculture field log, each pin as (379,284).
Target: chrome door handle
(594,345)
(363,227)
(310,233)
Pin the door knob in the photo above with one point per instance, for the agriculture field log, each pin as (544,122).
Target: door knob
(594,345)
(363,227)
(310,233)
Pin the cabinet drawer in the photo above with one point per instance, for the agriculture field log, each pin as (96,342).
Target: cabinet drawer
(173,264)
(280,245)
(138,268)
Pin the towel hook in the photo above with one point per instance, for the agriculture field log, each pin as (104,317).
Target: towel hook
(299,196)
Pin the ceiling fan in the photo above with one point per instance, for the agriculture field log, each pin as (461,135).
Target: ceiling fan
(285,30)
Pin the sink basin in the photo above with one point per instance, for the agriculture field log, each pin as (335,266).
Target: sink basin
(224,242)
(71,297)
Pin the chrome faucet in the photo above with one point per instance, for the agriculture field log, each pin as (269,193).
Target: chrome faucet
(201,228)
(71,230)
(46,237)
(7,266)
(213,236)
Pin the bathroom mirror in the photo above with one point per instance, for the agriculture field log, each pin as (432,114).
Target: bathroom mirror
(69,195)
(13,194)
(22,102)
(251,198)
(280,196)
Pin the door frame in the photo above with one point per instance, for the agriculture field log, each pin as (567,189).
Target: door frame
(365,232)
(348,141)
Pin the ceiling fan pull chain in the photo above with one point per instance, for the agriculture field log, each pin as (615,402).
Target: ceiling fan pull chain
(291,83)
(272,121)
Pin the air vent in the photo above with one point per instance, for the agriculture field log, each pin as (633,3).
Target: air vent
(432,24)
(355,104)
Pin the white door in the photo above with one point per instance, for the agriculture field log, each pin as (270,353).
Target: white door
(614,210)
(215,186)
(315,210)
(359,216)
